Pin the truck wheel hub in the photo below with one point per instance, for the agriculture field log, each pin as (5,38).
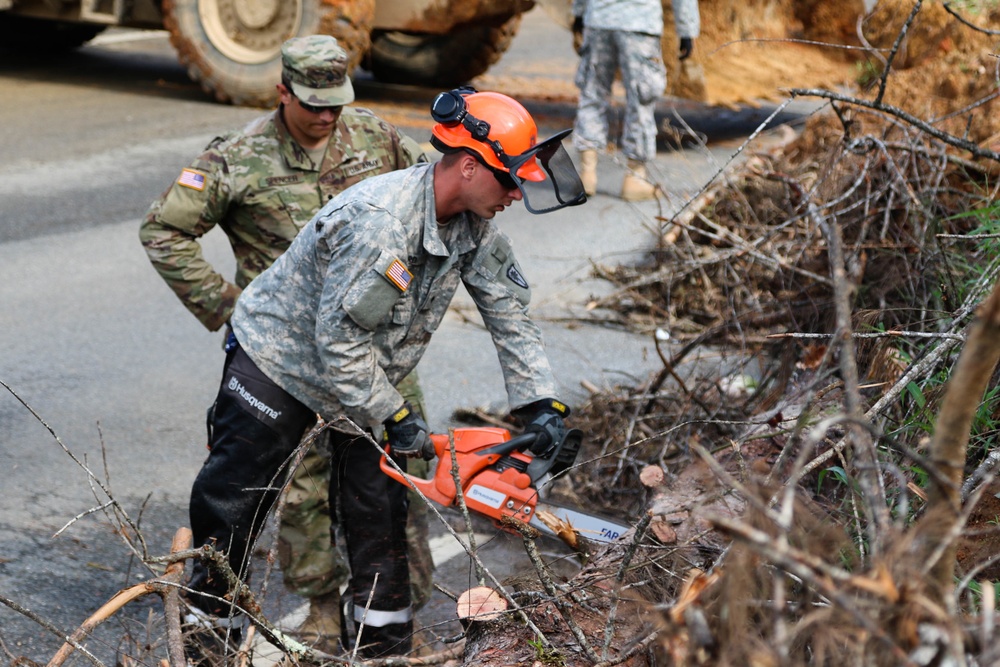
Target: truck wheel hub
(255,14)
(250,32)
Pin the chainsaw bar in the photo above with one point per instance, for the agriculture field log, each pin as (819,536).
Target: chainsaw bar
(594,527)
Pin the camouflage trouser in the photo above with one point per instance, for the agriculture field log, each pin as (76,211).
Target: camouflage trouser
(310,563)
(644,77)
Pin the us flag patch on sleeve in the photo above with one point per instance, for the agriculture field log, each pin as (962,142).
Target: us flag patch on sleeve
(399,275)
(191,178)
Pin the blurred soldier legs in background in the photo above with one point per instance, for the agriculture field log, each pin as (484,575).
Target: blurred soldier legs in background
(624,35)
(645,78)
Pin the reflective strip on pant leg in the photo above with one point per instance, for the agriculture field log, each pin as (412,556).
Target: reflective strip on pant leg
(379,619)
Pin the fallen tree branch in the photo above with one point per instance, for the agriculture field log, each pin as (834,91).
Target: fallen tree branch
(947,138)
(883,79)
(528,536)
(27,613)
(164,586)
(965,390)
(961,19)
(817,573)
(90,473)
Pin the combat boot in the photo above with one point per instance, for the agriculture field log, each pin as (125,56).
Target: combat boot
(588,171)
(321,629)
(636,186)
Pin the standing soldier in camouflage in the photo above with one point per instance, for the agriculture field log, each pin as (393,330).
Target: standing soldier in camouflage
(349,310)
(262,185)
(624,35)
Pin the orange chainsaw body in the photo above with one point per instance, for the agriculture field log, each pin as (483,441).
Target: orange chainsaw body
(493,484)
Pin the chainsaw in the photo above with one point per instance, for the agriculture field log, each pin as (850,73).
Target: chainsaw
(500,477)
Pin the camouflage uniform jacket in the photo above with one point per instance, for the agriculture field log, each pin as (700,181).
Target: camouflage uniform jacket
(349,309)
(261,188)
(645,16)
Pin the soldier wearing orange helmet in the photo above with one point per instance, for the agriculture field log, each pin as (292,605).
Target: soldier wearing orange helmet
(508,146)
(349,310)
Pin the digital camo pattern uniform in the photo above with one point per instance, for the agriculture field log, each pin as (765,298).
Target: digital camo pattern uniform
(393,272)
(624,35)
(349,310)
(261,188)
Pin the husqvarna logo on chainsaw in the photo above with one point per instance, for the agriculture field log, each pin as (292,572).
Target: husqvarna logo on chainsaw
(252,401)
(486,496)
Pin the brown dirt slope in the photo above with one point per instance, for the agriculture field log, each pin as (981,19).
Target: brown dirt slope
(943,66)
(750,50)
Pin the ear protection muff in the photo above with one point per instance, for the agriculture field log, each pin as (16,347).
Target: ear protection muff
(449,108)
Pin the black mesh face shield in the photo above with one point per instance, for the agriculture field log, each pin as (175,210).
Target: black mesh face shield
(561,186)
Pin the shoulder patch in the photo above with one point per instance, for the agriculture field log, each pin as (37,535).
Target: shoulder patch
(515,276)
(192,178)
(399,275)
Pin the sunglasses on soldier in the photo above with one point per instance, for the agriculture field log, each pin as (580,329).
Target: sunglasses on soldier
(315,109)
(503,178)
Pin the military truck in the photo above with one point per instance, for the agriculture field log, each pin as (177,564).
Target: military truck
(232,47)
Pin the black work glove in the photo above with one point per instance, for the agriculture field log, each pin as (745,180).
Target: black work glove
(687,46)
(408,435)
(544,418)
(577,34)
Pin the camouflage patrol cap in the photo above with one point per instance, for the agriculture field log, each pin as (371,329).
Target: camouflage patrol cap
(316,67)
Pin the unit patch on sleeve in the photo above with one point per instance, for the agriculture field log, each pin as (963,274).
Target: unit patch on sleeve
(191,178)
(515,276)
(399,275)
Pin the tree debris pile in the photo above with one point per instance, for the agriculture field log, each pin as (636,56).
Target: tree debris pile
(748,258)
(834,280)
(753,256)
(747,262)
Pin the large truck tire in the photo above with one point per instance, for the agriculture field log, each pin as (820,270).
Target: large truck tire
(350,21)
(24,34)
(441,61)
(232,48)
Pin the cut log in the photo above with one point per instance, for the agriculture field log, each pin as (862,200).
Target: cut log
(480,604)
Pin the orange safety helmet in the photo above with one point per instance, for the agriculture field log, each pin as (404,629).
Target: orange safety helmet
(492,125)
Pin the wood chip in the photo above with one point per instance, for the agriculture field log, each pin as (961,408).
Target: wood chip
(651,476)
(480,604)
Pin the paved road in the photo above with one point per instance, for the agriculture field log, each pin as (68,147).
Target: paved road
(108,360)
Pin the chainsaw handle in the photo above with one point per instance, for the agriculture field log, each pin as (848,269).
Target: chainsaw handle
(516,444)
(426,486)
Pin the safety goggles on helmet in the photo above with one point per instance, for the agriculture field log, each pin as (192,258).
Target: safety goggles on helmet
(544,173)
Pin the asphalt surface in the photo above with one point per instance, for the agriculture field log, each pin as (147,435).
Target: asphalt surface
(106,372)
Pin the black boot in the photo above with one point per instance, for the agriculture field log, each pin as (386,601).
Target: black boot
(395,639)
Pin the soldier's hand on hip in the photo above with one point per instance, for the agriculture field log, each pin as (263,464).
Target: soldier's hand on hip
(687,46)
(577,34)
